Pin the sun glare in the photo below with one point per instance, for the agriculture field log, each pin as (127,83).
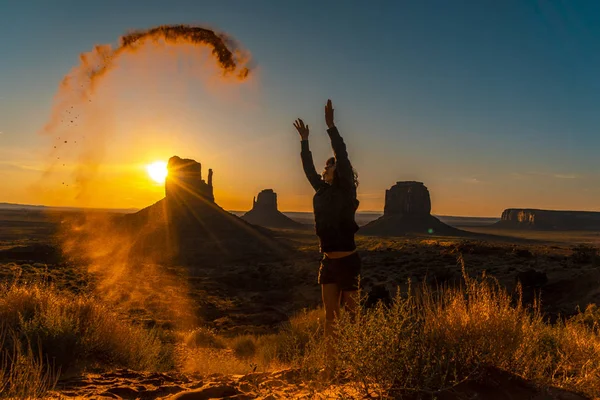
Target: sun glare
(157,171)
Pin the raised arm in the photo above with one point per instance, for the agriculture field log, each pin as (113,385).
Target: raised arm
(342,163)
(307,161)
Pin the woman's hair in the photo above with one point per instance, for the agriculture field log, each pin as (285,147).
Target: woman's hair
(331,160)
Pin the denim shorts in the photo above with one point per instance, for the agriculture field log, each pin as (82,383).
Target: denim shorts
(342,271)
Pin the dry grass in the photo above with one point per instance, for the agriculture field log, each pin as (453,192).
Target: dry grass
(72,332)
(292,344)
(207,361)
(430,342)
(23,373)
(244,347)
(206,352)
(425,341)
(202,337)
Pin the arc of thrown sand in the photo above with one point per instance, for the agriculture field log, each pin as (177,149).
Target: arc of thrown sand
(223,48)
(78,85)
(80,82)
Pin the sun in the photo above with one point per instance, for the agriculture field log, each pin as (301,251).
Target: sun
(157,171)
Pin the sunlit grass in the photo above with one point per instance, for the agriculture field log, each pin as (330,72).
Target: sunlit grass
(432,340)
(426,341)
(73,331)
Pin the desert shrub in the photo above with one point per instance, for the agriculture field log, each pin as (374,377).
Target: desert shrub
(73,331)
(522,252)
(244,346)
(291,344)
(23,373)
(431,341)
(207,361)
(590,317)
(584,254)
(204,338)
(374,344)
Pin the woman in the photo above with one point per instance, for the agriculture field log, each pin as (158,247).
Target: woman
(335,205)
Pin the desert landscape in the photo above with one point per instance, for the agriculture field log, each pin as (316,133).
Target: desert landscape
(158,223)
(231,315)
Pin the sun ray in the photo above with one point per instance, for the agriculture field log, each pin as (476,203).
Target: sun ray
(158,171)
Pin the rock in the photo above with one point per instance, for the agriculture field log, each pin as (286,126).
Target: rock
(288,375)
(407,210)
(266,200)
(207,392)
(246,387)
(270,384)
(188,227)
(108,395)
(255,378)
(161,391)
(265,213)
(523,218)
(184,182)
(407,198)
(495,384)
(124,391)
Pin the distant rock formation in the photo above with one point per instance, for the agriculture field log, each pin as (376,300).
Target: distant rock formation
(187,226)
(408,199)
(523,218)
(184,182)
(407,210)
(265,213)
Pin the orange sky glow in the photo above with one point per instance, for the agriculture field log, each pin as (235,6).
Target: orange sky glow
(166,101)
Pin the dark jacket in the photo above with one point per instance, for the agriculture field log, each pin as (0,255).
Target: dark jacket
(334,205)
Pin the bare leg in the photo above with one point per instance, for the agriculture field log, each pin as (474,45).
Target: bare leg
(350,301)
(331,301)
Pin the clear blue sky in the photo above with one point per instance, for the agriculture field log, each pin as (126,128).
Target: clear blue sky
(492,104)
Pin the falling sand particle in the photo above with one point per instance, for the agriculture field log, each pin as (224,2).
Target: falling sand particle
(92,238)
(80,83)
(76,90)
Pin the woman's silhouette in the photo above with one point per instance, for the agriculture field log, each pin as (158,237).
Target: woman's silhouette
(334,205)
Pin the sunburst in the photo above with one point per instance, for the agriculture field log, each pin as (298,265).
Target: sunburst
(157,171)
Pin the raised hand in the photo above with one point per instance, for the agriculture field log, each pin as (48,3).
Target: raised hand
(301,128)
(329,114)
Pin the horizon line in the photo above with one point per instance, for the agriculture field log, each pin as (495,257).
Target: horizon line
(134,209)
